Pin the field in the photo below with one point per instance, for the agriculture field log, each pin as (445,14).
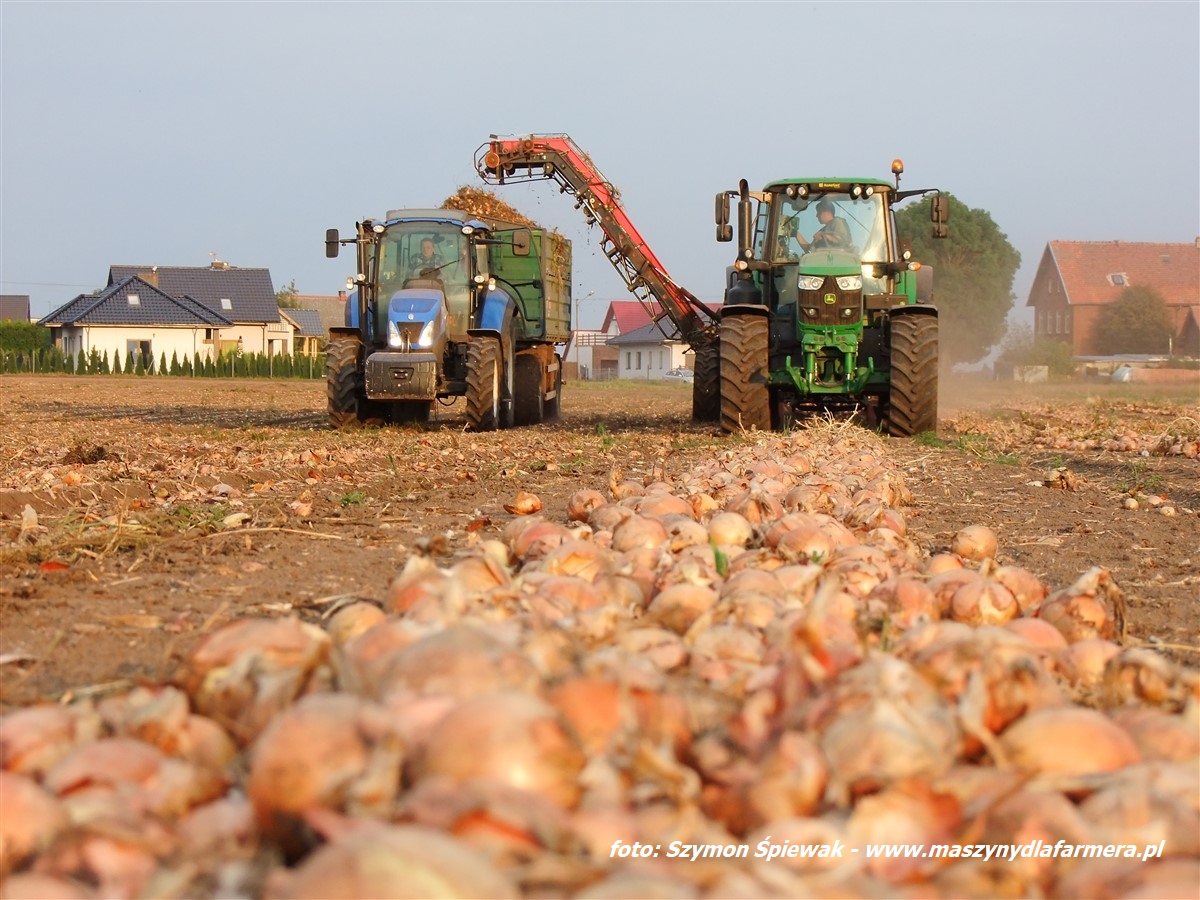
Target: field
(142,517)
(166,507)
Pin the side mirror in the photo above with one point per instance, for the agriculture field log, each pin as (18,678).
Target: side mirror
(332,245)
(522,240)
(940,209)
(724,230)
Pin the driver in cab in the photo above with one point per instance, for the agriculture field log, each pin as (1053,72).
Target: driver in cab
(427,262)
(834,233)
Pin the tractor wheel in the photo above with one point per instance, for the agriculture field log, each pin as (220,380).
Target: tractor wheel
(528,401)
(483,384)
(553,409)
(348,405)
(913,402)
(745,396)
(706,385)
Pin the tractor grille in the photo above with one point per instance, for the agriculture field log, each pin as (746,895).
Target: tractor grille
(830,305)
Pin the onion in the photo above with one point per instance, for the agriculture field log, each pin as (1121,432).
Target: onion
(730,529)
(30,818)
(679,606)
(1068,741)
(982,601)
(34,738)
(582,559)
(1139,675)
(1038,633)
(510,737)
(791,779)
(1083,662)
(352,620)
(331,750)
(638,532)
(37,886)
(942,562)
(581,504)
(658,505)
(975,543)
(243,673)
(1093,607)
(524,504)
(1159,735)
(1025,586)
(391,861)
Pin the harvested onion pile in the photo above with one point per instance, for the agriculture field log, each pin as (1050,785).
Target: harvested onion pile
(754,651)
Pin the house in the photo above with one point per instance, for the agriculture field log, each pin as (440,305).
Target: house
(330,307)
(243,296)
(308,334)
(1077,279)
(14,308)
(132,316)
(651,351)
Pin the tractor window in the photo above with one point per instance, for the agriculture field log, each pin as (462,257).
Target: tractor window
(411,249)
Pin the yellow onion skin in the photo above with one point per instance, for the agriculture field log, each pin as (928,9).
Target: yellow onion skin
(333,750)
(1068,741)
(34,738)
(975,543)
(513,738)
(30,819)
(244,673)
(401,861)
(40,886)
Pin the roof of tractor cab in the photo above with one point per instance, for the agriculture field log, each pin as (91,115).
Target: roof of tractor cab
(450,217)
(832,184)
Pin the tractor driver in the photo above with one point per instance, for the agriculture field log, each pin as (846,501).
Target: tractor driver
(834,233)
(429,258)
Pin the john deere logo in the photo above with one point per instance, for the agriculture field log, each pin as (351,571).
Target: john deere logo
(831,299)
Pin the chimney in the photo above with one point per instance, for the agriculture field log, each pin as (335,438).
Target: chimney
(342,294)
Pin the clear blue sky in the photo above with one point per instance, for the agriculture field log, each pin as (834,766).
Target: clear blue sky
(165,133)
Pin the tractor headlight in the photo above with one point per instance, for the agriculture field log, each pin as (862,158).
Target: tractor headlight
(393,335)
(850,282)
(810,282)
(848,312)
(425,339)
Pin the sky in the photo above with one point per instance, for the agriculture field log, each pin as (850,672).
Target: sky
(176,133)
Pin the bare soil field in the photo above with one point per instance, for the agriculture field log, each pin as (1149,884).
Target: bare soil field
(138,515)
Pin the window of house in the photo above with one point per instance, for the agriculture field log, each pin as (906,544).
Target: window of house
(1118,279)
(1067,322)
(628,359)
(226,303)
(639,360)
(134,299)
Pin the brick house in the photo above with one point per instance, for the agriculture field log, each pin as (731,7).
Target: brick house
(1077,279)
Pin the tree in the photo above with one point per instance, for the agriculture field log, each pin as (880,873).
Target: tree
(285,297)
(24,337)
(973,269)
(1136,322)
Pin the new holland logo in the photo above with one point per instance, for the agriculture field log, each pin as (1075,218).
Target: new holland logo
(830,299)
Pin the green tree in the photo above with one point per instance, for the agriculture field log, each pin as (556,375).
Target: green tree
(286,296)
(1136,322)
(24,337)
(973,269)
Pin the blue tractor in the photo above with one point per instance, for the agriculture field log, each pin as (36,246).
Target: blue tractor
(445,304)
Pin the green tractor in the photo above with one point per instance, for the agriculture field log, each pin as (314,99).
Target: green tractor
(824,310)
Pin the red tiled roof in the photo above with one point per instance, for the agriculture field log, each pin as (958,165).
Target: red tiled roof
(629,315)
(1085,268)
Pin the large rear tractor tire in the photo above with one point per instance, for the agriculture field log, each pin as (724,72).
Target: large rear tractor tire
(706,384)
(528,402)
(913,399)
(483,384)
(348,404)
(745,395)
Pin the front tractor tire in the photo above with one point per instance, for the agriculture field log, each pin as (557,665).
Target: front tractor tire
(348,403)
(745,394)
(913,398)
(483,384)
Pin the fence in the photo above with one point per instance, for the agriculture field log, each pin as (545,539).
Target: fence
(230,365)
